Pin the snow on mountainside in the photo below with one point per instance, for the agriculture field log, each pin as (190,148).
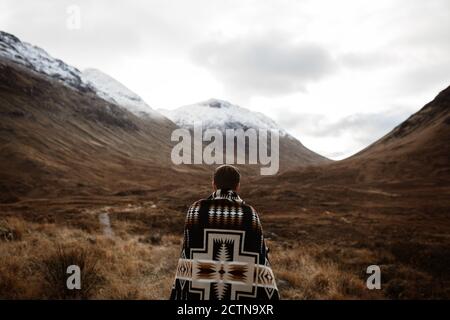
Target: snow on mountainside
(94,80)
(220,114)
(112,90)
(40,61)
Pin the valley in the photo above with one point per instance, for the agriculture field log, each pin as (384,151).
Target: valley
(86,178)
(320,243)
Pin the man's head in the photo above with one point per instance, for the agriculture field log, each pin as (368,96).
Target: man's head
(226,177)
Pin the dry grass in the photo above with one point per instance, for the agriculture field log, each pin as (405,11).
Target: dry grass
(124,267)
(315,255)
(310,273)
(53,270)
(11,229)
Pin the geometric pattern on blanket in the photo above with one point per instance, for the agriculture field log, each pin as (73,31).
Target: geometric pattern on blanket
(224,256)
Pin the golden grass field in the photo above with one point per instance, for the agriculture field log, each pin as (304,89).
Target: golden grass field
(315,253)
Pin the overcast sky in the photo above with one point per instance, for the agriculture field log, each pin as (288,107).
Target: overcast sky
(336,74)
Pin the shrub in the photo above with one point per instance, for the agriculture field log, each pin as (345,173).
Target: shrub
(11,229)
(54,273)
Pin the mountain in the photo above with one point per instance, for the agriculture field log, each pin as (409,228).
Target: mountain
(409,166)
(222,115)
(59,136)
(106,87)
(416,149)
(38,60)
(415,152)
(113,91)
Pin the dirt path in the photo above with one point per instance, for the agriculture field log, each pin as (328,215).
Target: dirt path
(105,222)
(103,215)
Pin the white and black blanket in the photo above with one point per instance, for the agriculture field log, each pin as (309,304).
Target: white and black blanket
(224,255)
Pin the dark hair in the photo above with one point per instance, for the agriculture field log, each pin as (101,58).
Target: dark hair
(226,177)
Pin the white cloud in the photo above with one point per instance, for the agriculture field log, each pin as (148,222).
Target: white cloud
(351,133)
(264,64)
(341,66)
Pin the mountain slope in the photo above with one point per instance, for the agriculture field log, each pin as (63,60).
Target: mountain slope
(56,140)
(418,147)
(91,80)
(222,115)
(61,135)
(113,91)
(37,59)
(215,113)
(408,170)
(416,151)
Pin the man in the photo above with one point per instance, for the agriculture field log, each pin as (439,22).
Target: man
(224,255)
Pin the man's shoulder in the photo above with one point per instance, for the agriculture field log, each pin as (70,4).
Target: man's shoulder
(196,203)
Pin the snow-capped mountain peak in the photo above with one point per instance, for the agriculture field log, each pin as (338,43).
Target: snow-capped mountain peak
(219,114)
(40,61)
(112,90)
(216,103)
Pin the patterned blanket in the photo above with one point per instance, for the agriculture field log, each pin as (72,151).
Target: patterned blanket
(224,256)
